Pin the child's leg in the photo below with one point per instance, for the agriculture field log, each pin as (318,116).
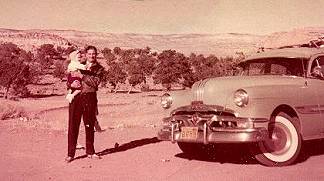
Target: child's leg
(76,92)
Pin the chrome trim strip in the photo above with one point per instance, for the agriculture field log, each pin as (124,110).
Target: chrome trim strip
(252,135)
(202,107)
(221,136)
(312,109)
(199,91)
(172,132)
(205,134)
(202,89)
(321,108)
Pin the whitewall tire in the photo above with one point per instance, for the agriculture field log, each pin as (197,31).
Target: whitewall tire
(284,143)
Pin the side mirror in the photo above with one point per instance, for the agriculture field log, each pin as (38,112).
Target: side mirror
(317,72)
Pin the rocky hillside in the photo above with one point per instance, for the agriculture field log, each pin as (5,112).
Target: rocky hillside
(218,44)
(294,37)
(31,39)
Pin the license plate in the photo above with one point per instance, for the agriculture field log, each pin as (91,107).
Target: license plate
(189,133)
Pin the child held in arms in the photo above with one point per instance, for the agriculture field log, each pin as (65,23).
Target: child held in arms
(73,81)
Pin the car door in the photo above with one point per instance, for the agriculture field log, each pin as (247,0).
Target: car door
(317,85)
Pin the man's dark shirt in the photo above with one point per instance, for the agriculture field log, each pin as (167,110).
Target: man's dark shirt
(92,78)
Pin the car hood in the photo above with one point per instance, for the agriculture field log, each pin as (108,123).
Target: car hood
(220,90)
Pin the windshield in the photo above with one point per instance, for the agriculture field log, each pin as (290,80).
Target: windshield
(273,66)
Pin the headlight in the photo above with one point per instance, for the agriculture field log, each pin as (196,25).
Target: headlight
(166,101)
(241,98)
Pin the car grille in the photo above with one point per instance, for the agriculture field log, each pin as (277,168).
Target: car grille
(215,120)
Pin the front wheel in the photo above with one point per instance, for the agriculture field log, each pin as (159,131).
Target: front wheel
(283,145)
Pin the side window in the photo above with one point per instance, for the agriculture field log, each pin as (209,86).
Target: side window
(279,70)
(256,69)
(317,67)
(319,61)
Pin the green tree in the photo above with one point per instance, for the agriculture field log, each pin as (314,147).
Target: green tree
(115,74)
(46,54)
(15,72)
(172,67)
(126,56)
(117,50)
(108,55)
(60,68)
(227,65)
(205,67)
(60,50)
(141,66)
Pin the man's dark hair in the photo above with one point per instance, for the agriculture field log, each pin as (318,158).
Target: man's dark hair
(90,47)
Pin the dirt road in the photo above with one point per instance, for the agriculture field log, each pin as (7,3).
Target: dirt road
(38,154)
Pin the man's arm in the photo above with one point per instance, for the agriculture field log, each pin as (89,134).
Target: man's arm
(87,72)
(94,79)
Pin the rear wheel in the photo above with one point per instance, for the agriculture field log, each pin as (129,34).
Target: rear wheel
(284,143)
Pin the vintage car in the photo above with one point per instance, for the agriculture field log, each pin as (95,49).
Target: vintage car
(274,103)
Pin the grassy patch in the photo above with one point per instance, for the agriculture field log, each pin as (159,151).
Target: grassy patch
(8,111)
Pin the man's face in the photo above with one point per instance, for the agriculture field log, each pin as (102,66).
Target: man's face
(91,56)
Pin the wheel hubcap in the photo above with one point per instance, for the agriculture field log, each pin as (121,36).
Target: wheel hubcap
(279,141)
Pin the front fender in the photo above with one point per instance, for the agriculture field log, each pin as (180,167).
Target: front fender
(179,98)
(264,100)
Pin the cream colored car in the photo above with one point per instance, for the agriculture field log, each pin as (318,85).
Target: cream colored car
(276,102)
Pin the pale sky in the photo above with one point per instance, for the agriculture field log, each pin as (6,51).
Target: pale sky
(163,16)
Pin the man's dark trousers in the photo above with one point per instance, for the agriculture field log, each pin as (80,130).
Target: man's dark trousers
(83,104)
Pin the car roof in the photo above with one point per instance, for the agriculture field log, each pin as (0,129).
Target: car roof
(299,52)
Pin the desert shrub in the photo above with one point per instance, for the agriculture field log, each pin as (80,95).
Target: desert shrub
(8,111)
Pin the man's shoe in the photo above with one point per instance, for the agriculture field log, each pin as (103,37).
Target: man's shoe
(94,156)
(68,159)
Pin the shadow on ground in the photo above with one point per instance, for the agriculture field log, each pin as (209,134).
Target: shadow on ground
(240,153)
(126,146)
(311,148)
(222,153)
(43,95)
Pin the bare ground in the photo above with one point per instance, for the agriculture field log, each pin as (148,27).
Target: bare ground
(34,147)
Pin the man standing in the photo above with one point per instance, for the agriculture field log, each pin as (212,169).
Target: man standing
(85,104)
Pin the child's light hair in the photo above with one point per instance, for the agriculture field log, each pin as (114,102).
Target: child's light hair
(75,64)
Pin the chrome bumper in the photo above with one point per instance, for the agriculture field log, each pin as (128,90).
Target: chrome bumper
(216,136)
